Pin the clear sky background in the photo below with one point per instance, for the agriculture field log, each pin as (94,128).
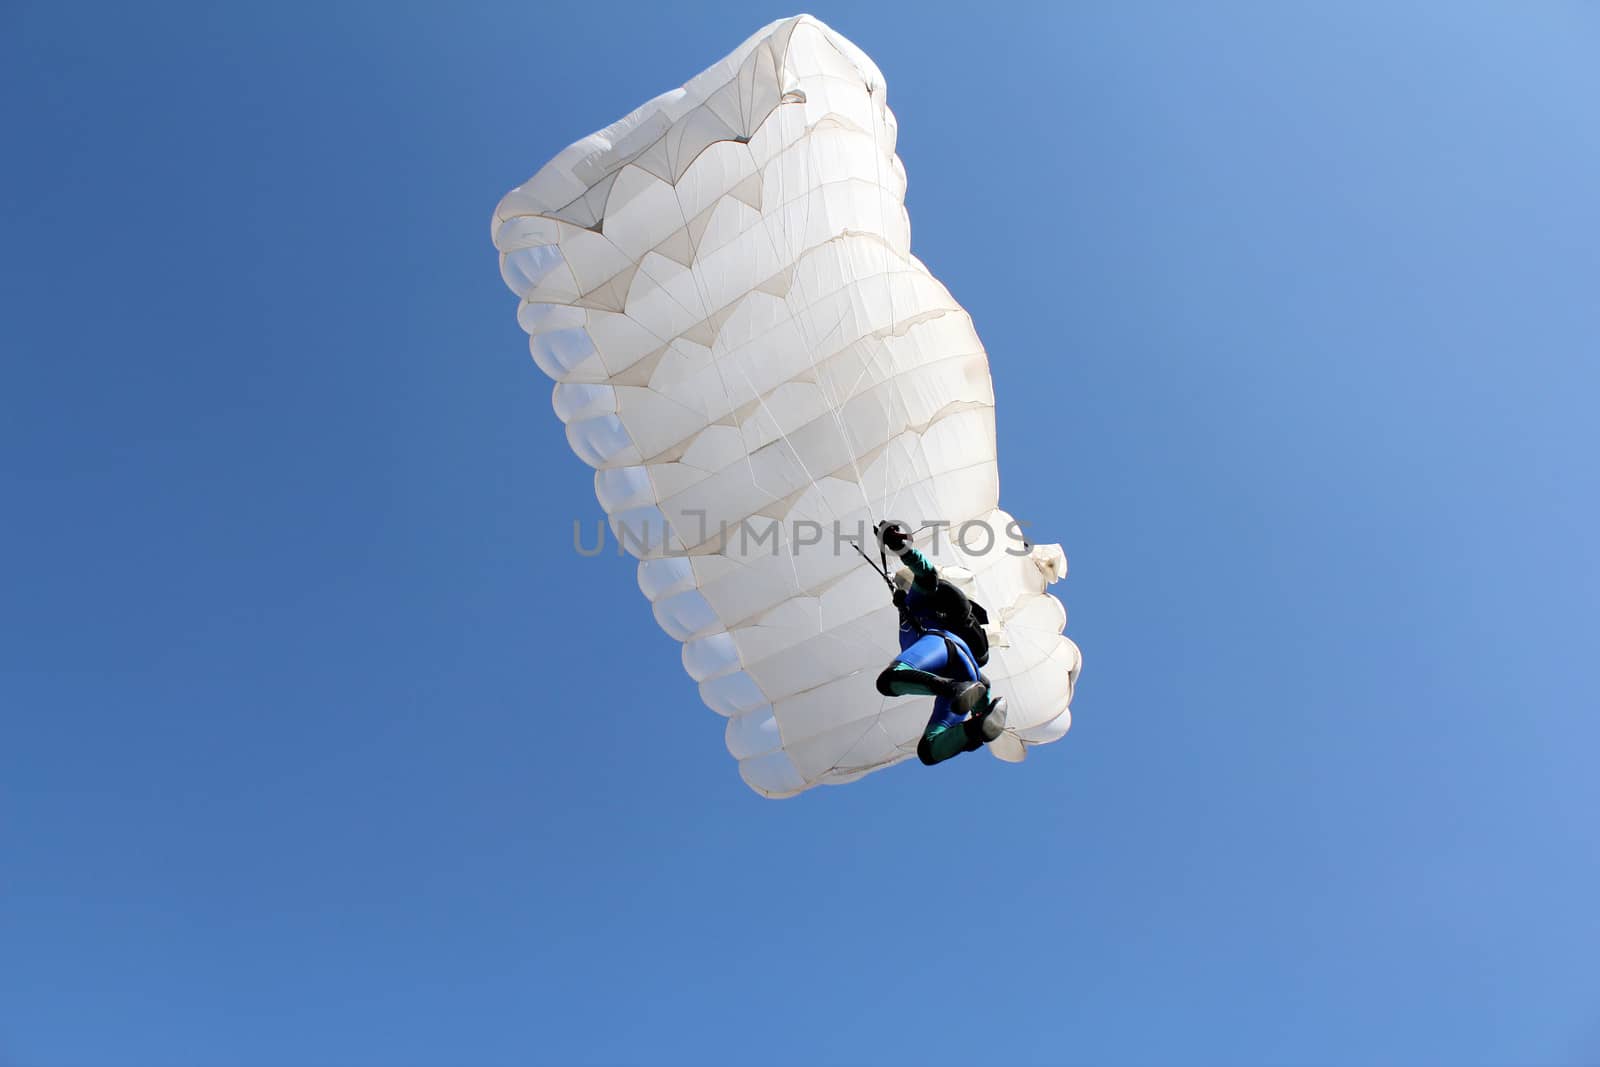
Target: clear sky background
(320,745)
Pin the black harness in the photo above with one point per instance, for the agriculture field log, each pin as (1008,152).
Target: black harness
(952,612)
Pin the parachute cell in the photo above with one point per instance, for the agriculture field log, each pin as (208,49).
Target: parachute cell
(746,351)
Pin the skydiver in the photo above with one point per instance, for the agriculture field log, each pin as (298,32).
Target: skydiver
(942,647)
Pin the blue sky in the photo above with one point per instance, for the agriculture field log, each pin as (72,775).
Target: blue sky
(321,747)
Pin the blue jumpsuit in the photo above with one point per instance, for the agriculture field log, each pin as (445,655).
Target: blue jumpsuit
(928,650)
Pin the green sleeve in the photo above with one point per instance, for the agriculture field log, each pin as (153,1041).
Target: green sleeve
(925,575)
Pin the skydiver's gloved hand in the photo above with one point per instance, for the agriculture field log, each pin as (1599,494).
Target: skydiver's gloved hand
(894,537)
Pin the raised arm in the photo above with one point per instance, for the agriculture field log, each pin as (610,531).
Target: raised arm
(925,577)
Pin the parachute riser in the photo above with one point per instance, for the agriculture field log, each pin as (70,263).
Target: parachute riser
(882,570)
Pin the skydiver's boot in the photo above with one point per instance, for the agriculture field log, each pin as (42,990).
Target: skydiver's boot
(968,698)
(989,723)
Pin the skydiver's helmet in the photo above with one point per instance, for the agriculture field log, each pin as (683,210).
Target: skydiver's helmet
(901,580)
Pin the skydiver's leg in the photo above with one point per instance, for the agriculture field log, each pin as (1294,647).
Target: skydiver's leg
(951,732)
(900,680)
(931,667)
(948,734)
(988,716)
(920,670)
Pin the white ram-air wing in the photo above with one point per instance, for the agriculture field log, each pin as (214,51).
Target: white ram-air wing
(746,351)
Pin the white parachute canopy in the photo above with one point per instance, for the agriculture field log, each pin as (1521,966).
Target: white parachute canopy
(744,348)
